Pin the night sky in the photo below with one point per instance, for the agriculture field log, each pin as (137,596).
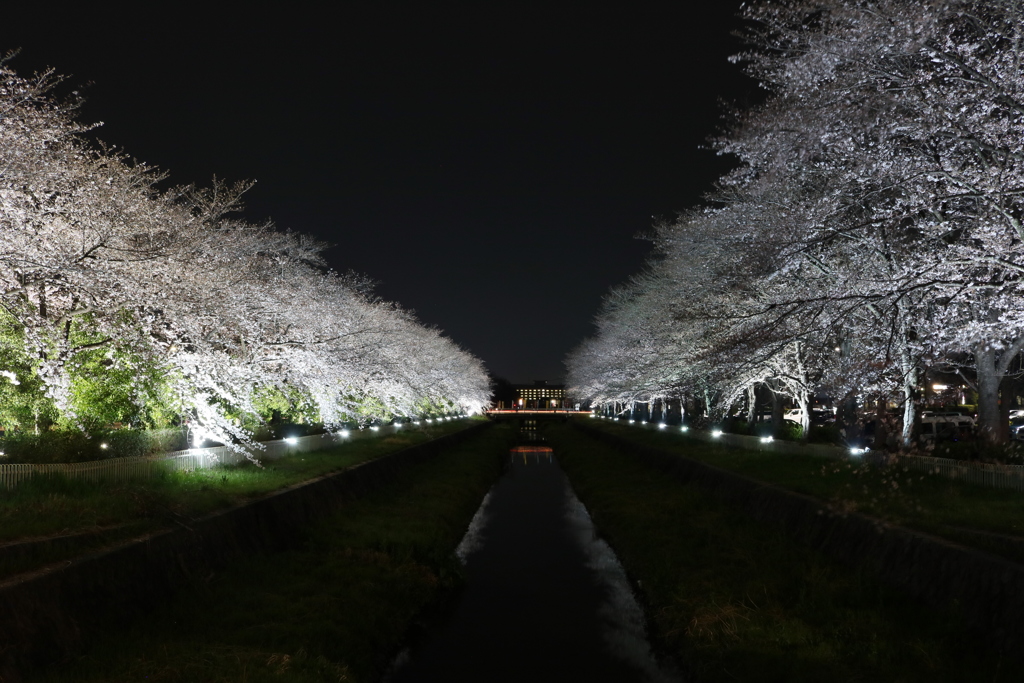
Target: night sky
(490,166)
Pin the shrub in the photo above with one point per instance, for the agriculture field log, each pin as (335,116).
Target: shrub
(789,431)
(72,445)
(825,434)
(734,425)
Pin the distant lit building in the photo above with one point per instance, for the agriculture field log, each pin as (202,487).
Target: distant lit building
(540,396)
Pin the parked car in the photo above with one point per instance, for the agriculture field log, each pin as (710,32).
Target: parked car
(818,417)
(948,416)
(1017,428)
(946,426)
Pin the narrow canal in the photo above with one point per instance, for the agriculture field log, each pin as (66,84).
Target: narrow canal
(545,600)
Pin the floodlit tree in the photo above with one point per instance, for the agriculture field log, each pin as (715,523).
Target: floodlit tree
(874,226)
(105,278)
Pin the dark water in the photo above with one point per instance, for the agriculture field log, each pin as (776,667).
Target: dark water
(545,600)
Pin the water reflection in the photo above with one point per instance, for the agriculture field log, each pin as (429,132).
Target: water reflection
(535,454)
(545,600)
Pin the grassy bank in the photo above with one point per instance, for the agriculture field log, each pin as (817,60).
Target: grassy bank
(336,610)
(738,601)
(986,518)
(48,506)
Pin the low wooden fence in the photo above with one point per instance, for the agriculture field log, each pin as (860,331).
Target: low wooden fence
(125,469)
(981,474)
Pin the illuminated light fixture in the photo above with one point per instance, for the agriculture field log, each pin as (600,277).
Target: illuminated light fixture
(398,425)
(940,387)
(662,425)
(716,433)
(592,415)
(344,433)
(767,439)
(291,440)
(104,446)
(632,422)
(415,422)
(374,428)
(859,451)
(684,428)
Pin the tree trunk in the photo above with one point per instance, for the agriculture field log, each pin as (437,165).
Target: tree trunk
(1006,391)
(910,372)
(988,394)
(881,426)
(803,400)
(751,406)
(776,411)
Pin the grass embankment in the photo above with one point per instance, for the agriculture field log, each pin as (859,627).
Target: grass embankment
(49,506)
(989,519)
(336,610)
(736,600)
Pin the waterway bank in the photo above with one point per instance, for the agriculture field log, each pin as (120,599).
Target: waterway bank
(740,600)
(338,603)
(545,598)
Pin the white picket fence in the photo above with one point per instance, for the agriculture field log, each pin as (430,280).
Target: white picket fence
(124,469)
(981,474)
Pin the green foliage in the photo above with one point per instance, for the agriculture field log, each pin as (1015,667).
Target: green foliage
(371,408)
(434,408)
(74,445)
(110,387)
(789,431)
(290,404)
(22,402)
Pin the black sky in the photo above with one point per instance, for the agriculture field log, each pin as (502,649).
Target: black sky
(489,166)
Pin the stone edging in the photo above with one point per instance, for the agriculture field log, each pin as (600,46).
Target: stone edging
(987,590)
(46,616)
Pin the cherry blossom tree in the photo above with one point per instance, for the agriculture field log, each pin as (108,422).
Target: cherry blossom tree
(169,286)
(880,184)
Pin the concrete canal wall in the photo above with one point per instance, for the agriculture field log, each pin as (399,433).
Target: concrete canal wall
(47,615)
